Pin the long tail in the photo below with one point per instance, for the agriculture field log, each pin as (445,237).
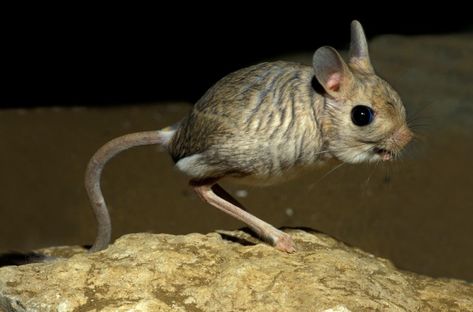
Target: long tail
(94,172)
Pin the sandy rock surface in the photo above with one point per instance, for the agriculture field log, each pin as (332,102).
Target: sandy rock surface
(225,272)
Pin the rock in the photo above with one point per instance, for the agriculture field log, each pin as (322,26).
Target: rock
(226,271)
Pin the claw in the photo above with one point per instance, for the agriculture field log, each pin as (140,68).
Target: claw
(285,243)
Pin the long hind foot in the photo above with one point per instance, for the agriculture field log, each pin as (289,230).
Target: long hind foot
(208,192)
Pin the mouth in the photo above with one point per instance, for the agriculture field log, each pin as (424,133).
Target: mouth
(383,153)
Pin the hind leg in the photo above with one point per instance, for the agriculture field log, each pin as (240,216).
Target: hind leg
(214,194)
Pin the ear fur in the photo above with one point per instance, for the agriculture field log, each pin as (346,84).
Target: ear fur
(359,56)
(332,72)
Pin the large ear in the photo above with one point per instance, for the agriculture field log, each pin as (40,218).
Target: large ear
(332,72)
(359,56)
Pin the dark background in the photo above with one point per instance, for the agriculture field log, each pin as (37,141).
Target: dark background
(89,56)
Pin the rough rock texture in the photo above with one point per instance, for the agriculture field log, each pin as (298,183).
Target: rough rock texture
(225,272)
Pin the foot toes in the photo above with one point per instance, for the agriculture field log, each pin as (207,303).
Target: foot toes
(285,243)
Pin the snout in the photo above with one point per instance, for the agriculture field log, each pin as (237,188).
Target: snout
(402,137)
(394,144)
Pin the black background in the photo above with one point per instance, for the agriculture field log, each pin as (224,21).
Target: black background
(115,55)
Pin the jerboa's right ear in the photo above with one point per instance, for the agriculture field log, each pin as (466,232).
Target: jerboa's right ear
(359,55)
(332,72)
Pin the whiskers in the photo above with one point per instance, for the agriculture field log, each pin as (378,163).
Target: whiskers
(414,147)
(418,121)
(365,186)
(390,151)
(340,165)
(326,174)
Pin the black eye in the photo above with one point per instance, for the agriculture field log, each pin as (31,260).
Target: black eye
(362,115)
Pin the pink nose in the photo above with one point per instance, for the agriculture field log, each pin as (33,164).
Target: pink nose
(403,136)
